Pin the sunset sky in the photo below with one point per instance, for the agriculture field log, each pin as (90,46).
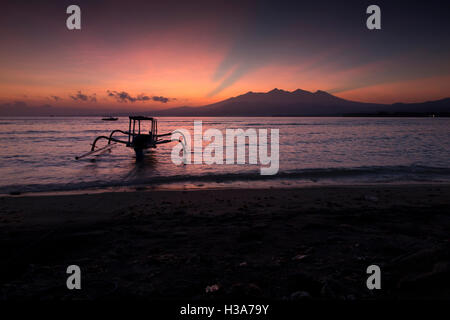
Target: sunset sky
(160,54)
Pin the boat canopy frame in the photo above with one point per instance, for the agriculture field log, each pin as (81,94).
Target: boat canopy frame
(153,131)
(137,139)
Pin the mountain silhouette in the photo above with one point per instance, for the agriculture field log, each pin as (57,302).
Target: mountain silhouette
(300,103)
(252,104)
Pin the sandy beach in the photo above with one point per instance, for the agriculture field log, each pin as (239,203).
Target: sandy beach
(284,244)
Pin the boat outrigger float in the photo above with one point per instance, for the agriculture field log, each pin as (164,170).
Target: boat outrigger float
(138,139)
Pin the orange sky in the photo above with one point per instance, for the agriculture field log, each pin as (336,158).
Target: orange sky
(196,56)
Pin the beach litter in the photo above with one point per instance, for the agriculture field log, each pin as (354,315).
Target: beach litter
(299,257)
(371,198)
(213,288)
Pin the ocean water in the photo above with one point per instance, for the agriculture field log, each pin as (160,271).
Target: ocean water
(38,154)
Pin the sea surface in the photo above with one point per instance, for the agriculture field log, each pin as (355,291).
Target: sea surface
(38,154)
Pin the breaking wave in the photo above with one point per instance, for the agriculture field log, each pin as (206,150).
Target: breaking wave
(358,175)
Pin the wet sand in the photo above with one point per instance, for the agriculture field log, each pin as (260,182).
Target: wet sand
(286,244)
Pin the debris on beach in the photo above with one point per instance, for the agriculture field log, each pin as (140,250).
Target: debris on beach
(371,198)
(300,295)
(299,257)
(213,288)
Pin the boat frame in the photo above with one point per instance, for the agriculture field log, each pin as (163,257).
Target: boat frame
(137,138)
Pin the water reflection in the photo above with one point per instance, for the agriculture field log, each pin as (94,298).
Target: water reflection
(44,156)
(143,166)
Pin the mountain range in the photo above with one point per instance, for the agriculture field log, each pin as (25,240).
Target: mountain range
(273,103)
(301,103)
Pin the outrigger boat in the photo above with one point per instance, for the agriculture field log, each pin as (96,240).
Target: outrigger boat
(110,119)
(138,139)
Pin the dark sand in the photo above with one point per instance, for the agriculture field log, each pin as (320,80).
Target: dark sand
(313,243)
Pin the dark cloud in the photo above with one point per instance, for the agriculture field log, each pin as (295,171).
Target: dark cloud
(14,105)
(122,96)
(160,99)
(56,98)
(142,98)
(83,97)
(21,108)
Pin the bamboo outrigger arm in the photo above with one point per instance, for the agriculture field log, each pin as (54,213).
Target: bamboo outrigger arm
(164,134)
(107,138)
(108,147)
(118,130)
(163,141)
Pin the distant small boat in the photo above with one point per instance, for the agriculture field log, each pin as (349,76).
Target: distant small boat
(110,119)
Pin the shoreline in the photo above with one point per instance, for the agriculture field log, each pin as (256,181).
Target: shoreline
(241,185)
(281,244)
